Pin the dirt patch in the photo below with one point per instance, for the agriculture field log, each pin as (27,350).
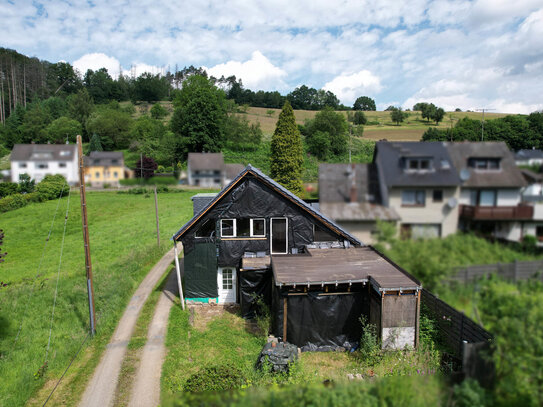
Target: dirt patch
(204,314)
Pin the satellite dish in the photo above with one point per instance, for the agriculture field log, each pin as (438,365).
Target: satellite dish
(464,174)
(452,202)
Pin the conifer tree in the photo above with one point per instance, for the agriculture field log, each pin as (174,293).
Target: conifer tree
(95,143)
(287,152)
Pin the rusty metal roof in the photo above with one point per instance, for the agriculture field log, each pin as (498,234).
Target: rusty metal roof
(358,211)
(351,265)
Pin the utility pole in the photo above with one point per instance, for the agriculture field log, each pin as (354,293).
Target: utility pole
(483,123)
(156,214)
(88,264)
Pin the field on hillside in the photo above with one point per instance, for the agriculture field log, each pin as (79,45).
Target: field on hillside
(379,126)
(123,242)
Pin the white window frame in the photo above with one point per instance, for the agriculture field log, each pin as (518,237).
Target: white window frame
(271,236)
(252,228)
(235,228)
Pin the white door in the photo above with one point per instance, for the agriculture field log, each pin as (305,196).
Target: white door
(226,282)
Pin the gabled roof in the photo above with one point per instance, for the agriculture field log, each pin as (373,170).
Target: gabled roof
(205,161)
(508,176)
(232,170)
(358,211)
(43,152)
(250,170)
(528,154)
(104,158)
(390,158)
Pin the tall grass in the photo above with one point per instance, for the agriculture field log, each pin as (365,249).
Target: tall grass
(123,244)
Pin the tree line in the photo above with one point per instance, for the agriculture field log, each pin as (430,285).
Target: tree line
(518,131)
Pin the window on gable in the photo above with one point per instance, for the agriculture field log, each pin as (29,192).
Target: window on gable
(207,229)
(62,165)
(413,198)
(42,166)
(258,227)
(243,227)
(228,227)
(437,195)
(321,235)
(22,165)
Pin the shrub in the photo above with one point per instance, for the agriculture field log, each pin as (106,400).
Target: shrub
(33,197)
(215,378)
(8,188)
(12,202)
(370,348)
(52,186)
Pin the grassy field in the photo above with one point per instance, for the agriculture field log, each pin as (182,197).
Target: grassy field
(123,242)
(229,340)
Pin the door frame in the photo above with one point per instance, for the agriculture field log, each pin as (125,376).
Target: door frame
(286,235)
(233,290)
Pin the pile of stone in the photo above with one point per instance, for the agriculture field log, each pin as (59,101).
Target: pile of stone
(277,356)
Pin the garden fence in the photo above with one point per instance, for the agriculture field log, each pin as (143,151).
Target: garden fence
(516,271)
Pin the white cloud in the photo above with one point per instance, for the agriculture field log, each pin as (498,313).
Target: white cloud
(96,61)
(349,87)
(258,73)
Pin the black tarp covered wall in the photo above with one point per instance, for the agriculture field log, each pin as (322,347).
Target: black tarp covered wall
(320,322)
(200,271)
(252,284)
(253,199)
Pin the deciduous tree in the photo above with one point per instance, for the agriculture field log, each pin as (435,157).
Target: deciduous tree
(364,103)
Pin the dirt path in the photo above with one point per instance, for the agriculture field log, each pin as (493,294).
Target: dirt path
(146,386)
(101,389)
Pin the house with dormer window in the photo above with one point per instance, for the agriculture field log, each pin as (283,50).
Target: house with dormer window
(39,160)
(420,183)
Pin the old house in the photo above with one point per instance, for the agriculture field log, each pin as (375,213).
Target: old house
(419,181)
(490,190)
(39,160)
(209,170)
(349,194)
(104,168)
(256,239)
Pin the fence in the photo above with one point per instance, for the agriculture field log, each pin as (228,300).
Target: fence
(467,341)
(518,270)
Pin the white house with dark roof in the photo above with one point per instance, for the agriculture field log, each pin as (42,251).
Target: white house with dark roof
(529,157)
(209,170)
(39,160)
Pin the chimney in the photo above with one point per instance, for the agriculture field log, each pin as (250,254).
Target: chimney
(353,184)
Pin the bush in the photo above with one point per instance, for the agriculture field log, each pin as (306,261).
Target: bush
(12,202)
(8,188)
(33,197)
(52,186)
(370,347)
(215,378)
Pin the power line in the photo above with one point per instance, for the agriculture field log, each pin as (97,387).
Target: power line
(39,265)
(58,275)
(70,364)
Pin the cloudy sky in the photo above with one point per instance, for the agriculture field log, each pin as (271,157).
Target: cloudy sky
(466,54)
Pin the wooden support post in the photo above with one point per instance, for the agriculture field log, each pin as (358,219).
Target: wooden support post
(285,313)
(178,272)
(88,264)
(382,316)
(417,320)
(156,215)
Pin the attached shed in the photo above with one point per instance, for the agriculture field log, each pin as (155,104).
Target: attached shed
(319,297)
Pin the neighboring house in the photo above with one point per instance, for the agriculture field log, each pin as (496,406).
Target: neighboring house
(39,160)
(529,157)
(104,167)
(255,239)
(349,194)
(209,170)
(419,181)
(533,195)
(490,190)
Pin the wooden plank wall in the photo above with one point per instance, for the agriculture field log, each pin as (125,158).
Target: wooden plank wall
(518,270)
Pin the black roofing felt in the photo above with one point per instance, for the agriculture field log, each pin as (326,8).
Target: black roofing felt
(390,157)
(285,192)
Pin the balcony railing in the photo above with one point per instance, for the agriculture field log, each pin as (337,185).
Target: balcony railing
(497,212)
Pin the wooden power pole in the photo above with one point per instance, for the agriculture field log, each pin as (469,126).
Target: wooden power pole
(88,264)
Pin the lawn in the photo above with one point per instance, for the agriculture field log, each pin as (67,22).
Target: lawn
(123,242)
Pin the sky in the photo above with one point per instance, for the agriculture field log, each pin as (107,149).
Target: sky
(480,54)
